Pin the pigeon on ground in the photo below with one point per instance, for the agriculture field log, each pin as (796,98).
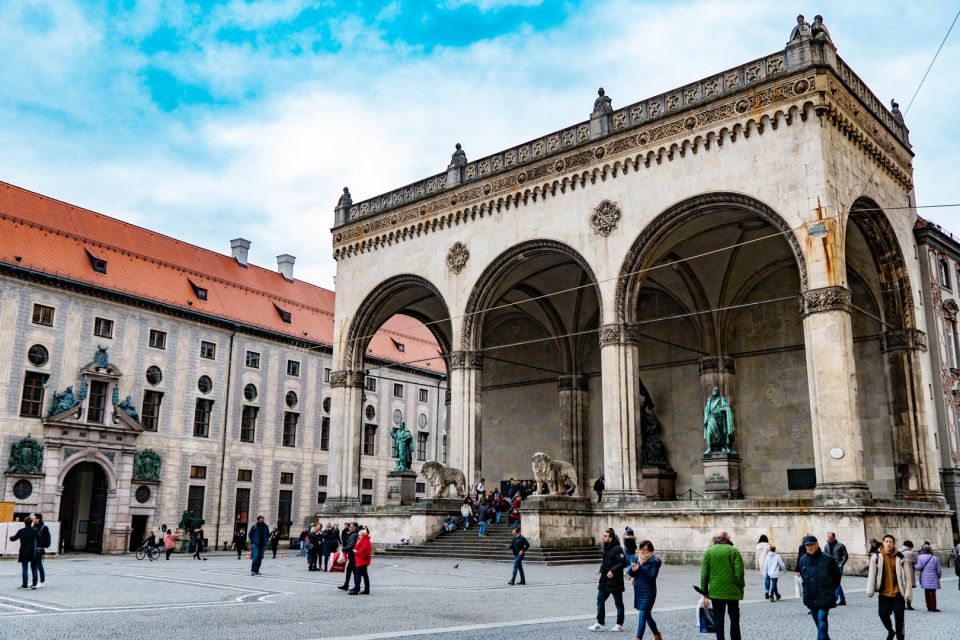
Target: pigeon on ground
(456,566)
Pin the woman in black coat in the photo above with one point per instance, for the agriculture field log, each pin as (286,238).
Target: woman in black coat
(29,538)
(331,540)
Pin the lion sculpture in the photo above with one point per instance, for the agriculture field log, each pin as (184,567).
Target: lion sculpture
(441,478)
(554,473)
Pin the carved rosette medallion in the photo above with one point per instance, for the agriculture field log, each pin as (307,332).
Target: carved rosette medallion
(611,334)
(457,257)
(466,360)
(825,299)
(605,218)
(346,378)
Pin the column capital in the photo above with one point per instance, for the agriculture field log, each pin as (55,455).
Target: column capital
(572,383)
(346,378)
(717,364)
(825,299)
(625,333)
(466,360)
(906,339)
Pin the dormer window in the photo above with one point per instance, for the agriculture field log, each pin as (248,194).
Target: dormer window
(284,315)
(99,264)
(399,345)
(198,291)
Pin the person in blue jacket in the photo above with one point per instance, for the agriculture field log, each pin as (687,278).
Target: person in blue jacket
(644,573)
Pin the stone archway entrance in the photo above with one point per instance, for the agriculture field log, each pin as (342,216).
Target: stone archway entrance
(83,508)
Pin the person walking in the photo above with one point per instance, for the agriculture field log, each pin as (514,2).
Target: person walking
(611,581)
(198,543)
(722,583)
(483,516)
(910,565)
(519,546)
(838,551)
(598,488)
(928,568)
(170,541)
(888,578)
(466,511)
(362,551)
(760,556)
(275,539)
(29,538)
(629,545)
(773,566)
(240,541)
(644,572)
(43,543)
(348,548)
(259,538)
(821,577)
(481,488)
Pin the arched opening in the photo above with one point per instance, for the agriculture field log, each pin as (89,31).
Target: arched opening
(712,288)
(534,316)
(83,508)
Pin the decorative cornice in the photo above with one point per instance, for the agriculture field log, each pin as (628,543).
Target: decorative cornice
(619,334)
(717,364)
(346,378)
(466,360)
(572,383)
(825,299)
(907,339)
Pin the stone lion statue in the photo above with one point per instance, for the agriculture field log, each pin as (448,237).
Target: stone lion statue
(554,473)
(441,478)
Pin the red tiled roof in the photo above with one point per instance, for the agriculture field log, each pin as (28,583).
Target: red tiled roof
(45,235)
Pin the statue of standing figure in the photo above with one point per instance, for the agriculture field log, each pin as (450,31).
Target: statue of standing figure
(602,105)
(801,31)
(718,425)
(404,439)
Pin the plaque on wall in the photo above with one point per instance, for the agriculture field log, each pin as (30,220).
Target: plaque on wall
(801,479)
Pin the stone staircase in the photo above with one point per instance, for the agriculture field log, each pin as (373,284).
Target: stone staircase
(466,544)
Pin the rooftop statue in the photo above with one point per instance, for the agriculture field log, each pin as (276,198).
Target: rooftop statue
(895,112)
(345,199)
(63,401)
(127,407)
(602,106)
(818,30)
(26,456)
(801,31)
(718,426)
(458,159)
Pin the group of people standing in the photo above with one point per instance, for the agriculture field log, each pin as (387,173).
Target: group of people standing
(34,540)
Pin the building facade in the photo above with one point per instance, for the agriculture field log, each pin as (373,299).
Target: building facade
(939,256)
(157,378)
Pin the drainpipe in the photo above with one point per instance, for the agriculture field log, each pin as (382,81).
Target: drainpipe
(223,442)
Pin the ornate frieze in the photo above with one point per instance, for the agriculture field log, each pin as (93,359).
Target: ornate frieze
(825,299)
(717,364)
(605,218)
(346,378)
(908,339)
(572,383)
(457,257)
(612,334)
(466,360)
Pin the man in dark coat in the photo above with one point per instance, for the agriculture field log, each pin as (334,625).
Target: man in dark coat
(259,538)
(352,535)
(821,577)
(29,538)
(240,541)
(42,544)
(838,551)
(611,580)
(519,546)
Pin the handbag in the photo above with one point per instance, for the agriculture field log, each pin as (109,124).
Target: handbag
(705,617)
(798,586)
(339,562)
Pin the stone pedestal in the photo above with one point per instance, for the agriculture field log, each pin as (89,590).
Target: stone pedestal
(401,488)
(721,477)
(557,521)
(659,484)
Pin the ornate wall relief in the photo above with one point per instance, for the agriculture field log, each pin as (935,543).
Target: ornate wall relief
(457,257)
(605,218)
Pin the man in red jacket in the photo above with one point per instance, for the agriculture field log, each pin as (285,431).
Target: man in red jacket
(362,551)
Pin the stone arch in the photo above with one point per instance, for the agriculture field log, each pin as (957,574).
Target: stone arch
(483,291)
(96,458)
(631,278)
(382,303)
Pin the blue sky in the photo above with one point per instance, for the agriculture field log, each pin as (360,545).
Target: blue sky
(212,120)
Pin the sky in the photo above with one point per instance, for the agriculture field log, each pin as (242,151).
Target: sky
(208,121)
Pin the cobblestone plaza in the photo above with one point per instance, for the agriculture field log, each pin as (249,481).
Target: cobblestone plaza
(119,597)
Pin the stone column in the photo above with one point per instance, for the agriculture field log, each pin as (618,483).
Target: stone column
(464,433)
(831,375)
(572,392)
(917,474)
(343,475)
(619,360)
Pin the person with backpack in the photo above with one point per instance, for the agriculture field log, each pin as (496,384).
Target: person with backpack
(611,581)
(43,543)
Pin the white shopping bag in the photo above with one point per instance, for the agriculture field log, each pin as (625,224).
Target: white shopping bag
(798,586)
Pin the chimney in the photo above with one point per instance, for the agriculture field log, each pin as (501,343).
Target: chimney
(239,248)
(285,266)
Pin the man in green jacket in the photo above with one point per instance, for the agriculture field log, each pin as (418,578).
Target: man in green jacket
(721,580)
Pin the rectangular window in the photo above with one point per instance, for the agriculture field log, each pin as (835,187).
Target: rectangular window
(950,343)
(42,314)
(293,368)
(326,374)
(421,487)
(369,439)
(150,411)
(325,434)
(244,475)
(158,339)
(98,401)
(366,484)
(103,327)
(285,511)
(370,384)
(397,390)
(248,423)
(424,395)
(241,509)
(31,403)
(321,497)
(286,477)
(322,480)
(201,418)
(198,473)
(253,359)
(208,350)
(422,445)
(290,428)
(195,501)
(945,274)
(366,499)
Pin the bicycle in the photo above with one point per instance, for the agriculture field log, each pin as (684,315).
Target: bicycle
(146,550)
